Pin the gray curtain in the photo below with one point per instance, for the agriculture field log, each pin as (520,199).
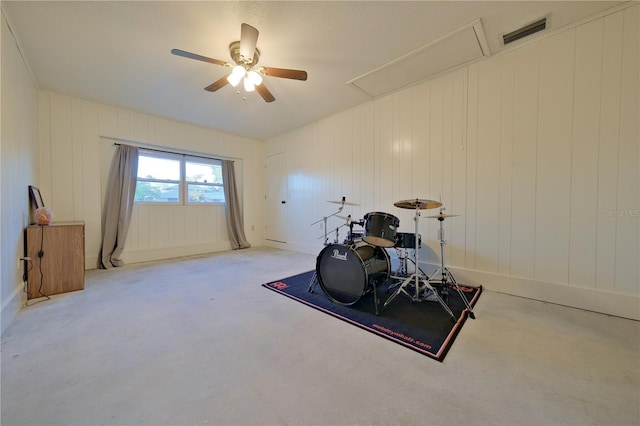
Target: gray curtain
(121,188)
(235,226)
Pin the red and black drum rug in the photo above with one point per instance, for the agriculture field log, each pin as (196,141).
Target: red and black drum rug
(422,326)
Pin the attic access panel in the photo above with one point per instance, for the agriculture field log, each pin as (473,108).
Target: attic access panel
(457,48)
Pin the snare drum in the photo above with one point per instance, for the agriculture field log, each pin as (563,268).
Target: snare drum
(380,229)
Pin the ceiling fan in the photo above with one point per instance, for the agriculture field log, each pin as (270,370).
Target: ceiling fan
(245,54)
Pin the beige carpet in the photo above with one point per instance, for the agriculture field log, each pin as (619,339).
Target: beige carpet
(197,341)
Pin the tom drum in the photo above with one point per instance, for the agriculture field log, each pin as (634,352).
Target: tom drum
(380,229)
(407,240)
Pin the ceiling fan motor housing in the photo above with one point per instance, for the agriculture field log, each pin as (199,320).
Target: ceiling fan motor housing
(234,51)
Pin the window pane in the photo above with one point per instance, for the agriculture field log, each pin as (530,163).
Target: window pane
(158,168)
(203,172)
(205,194)
(157,192)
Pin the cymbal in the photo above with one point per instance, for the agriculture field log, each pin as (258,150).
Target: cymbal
(443,216)
(418,203)
(346,203)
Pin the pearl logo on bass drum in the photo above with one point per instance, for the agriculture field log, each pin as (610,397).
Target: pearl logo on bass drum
(336,255)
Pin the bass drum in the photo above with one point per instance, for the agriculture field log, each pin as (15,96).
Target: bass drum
(347,272)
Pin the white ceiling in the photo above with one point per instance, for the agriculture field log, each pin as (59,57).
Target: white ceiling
(118,52)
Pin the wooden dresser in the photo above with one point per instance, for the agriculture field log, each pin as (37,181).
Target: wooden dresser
(57,258)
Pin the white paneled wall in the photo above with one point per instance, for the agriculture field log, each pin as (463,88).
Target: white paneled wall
(18,169)
(536,149)
(75,156)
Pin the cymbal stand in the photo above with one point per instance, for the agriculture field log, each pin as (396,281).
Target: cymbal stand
(324,219)
(446,277)
(419,281)
(314,279)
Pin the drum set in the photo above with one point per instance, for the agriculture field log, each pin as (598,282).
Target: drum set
(349,270)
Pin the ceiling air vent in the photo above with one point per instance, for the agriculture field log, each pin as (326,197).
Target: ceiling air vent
(459,47)
(525,31)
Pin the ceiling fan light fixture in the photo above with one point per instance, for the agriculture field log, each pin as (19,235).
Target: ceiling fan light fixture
(236,75)
(255,78)
(248,85)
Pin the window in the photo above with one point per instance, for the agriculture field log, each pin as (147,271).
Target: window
(178,179)
(158,179)
(204,182)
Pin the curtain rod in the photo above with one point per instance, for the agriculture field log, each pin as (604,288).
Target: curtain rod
(165,151)
(175,153)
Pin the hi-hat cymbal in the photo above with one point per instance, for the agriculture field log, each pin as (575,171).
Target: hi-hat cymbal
(418,204)
(346,203)
(443,216)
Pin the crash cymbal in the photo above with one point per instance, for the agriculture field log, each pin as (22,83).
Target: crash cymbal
(443,216)
(346,203)
(418,203)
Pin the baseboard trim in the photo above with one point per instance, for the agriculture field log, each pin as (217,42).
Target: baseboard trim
(590,299)
(277,244)
(139,256)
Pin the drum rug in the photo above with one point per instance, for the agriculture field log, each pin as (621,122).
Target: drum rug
(423,326)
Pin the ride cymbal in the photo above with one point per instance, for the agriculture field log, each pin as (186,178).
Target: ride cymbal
(418,204)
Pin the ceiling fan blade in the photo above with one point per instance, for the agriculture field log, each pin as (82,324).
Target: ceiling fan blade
(217,85)
(197,57)
(285,73)
(265,93)
(248,41)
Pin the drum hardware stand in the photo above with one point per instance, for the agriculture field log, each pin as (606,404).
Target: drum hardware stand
(336,238)
(403,270)
(351,223)
(403,256)
(446,275)
(376,301)
(324,219)
(314,279)
(418,278)
(313,282)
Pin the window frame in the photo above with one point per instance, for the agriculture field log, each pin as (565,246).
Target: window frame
(183,183)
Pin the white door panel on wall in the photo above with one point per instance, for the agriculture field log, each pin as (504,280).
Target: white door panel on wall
(276,197)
